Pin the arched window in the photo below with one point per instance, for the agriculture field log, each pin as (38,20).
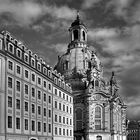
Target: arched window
(99,138)
(93,83)
(96,83)
(79,115)
(83,35)
(75,32)
(98,112)
(98,117)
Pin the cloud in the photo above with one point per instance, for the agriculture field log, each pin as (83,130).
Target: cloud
(24,12)
(102,33)
(89,3)
(59,47)
(27,12)
(120,6)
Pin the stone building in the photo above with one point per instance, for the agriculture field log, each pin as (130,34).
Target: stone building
(133,130)
(35,101)
(99,112)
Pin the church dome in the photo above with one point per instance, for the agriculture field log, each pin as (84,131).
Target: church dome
(75,63)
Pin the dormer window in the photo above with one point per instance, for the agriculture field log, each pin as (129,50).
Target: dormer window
(18,53)
(39,66)
(44,70)
(55,80)
(33,62)
(10,48)
(26,58)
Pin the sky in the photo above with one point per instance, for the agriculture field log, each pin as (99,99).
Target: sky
(113,30)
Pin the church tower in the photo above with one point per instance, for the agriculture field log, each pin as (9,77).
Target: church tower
(99,112)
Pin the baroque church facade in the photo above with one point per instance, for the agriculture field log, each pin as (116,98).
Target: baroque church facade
(99,112)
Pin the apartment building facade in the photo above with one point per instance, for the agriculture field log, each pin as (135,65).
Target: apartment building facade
(35,101)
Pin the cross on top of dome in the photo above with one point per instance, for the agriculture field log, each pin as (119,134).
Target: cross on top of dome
(77,21)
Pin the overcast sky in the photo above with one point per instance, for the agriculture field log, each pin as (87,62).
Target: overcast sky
(113,29)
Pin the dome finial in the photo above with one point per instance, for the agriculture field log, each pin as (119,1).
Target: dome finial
(78,17)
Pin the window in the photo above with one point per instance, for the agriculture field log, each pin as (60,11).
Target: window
(75,32)
(26,124)
(18,69)
(79,114)
(70,121)
(55,118)
(33,92)
(26,74)
(44,70)
(39,110)
(49,73)
(60,106)
(44,84)
(44,96)
(17,104)
(49,99)
(55,104)
(45,127)
(67,120)
(96,83)
(67,132)
(17,123)
(9,101)
(10,48)
(67,97)
(98,112)
(64,132)
(10,65)
(59,119)
(39,94)
(70,132)
(55,130)
(18,53)
(26,106)
(63,107)
(99,138)
(33,125)
(39,66)
(33,77)
(26,58)
(49,86)
(55,80)
(49,128)
(33,108)
(44,111)
(26,89)
(63,120)
(83,35)
(70,110)
(70,99)
(39,80)
(9,82)
(9,121)
(59,93)
(63,95)
(55,91)
(59,131)
(18,85)
(49,113)
(39,126)
(98,118)
(67,109)
(33,63)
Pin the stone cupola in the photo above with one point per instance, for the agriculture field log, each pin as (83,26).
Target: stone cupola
(78,58)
